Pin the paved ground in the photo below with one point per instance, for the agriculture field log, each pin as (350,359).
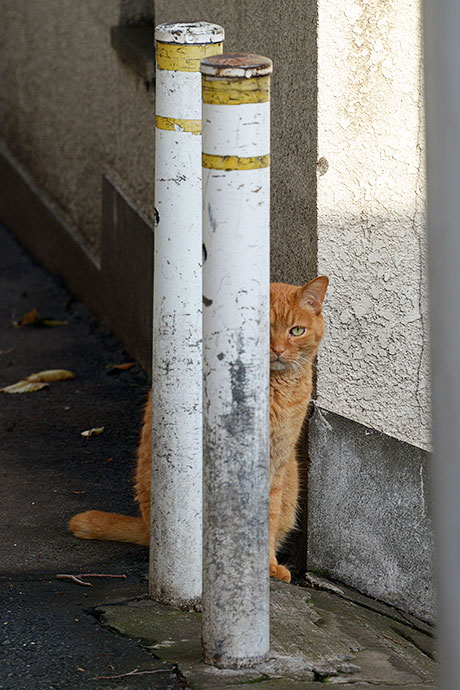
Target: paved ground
(49,636)
(57,634)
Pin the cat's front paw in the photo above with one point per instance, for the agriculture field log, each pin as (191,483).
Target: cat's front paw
(280,572)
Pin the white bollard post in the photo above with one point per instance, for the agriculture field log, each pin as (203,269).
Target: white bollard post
(176,487)
(236,132)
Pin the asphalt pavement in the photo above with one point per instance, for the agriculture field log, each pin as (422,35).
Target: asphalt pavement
(50,634)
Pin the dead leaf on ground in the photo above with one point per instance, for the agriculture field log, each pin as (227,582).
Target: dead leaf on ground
(93,432)
(27,319)
(24,387)
(121,367)
(52,375)
(33,318)
(52,322)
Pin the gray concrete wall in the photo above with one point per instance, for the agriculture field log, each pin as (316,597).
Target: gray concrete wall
(369,516)
(70,111)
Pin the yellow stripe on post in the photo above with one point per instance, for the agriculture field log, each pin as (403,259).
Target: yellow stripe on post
(235,162)
(235,91)
(174,124)
(185,58)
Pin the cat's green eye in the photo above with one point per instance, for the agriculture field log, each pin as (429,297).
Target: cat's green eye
(297,330)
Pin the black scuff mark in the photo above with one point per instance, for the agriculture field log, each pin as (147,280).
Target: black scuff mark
(212,220)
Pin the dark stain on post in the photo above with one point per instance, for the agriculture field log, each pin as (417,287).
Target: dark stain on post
(241,418)
(206,301)
(237,382)
(212,220)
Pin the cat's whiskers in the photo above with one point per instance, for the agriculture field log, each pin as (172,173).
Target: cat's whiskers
(307,361)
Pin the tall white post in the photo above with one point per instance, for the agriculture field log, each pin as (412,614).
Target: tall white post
(176,486)
(236,130)
(442,64)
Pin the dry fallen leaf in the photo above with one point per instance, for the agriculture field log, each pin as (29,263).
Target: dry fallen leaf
(33,318)
(28,318)
(52,375)
(92,432)
(120,367)
(51,322)
(24,387)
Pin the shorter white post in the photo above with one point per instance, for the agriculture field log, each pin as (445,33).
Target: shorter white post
(176,486)
(236,126)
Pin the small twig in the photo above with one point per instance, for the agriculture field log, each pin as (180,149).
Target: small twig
(119,577)
(132,673)
(395,641)
(78,578)
(73,578)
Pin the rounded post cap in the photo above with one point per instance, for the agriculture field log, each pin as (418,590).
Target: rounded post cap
(236,65)
(189,33)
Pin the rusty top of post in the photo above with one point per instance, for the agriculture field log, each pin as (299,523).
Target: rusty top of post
(236,65)
(189,33)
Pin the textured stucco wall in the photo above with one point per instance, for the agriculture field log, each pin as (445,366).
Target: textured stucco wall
(70,111)
(373,364)
(289,38)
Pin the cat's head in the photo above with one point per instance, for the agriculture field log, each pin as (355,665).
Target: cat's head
(296,324)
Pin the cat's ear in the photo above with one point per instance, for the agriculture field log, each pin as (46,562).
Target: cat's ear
(313,293)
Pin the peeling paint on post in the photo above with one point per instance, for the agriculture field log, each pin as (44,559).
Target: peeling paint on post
(236,126)
(176,495)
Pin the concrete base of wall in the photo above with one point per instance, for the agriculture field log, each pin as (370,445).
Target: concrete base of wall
(119,290)
(369,522)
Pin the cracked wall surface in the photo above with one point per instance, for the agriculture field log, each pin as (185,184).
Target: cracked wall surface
(373,364)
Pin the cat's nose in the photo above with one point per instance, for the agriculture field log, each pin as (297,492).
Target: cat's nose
(278,350)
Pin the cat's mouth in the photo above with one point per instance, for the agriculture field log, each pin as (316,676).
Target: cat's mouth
(278,365)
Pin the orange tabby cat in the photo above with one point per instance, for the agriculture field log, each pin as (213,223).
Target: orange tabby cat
(296,329)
